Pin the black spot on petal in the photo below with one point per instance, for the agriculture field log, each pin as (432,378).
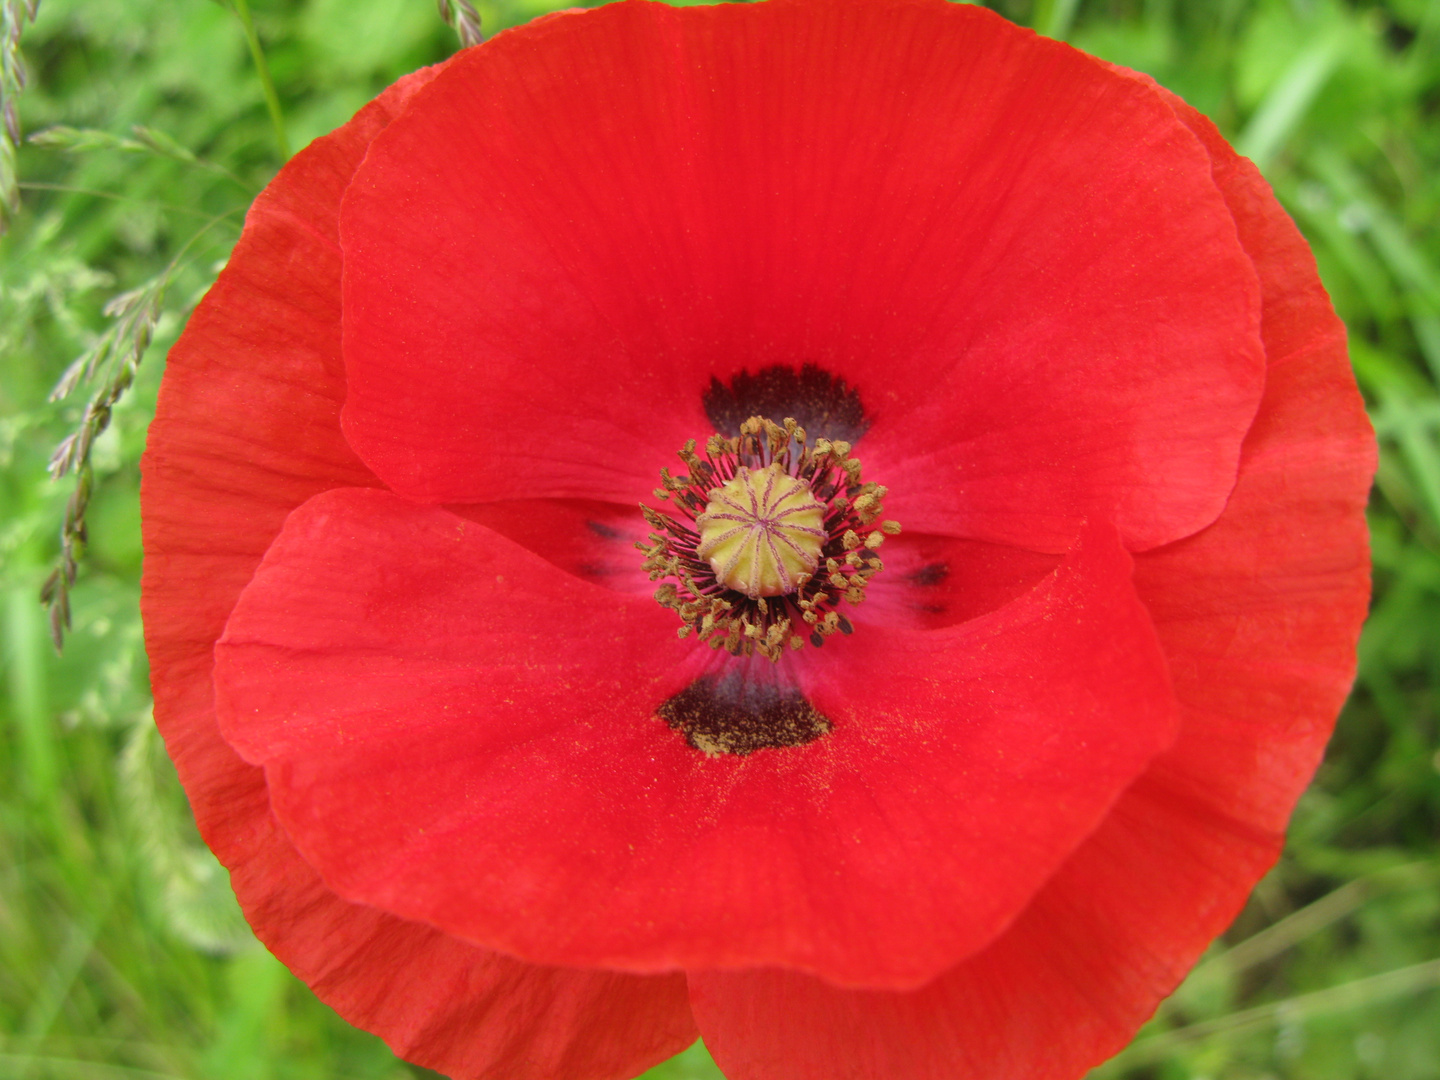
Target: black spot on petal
(823,404)
(600,529)
(733,715)
(932,574)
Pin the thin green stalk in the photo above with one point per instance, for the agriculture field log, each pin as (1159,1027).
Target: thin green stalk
(272,99)
(25,670)
(1299,925)
(1053,18)
(1356,994)
(95,193)
(57,1066)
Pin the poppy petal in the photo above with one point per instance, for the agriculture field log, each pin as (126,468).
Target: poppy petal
(1261,612)
(593,540)
(455,732)
(436,1001)
(1259,615)
(439,1002)
(936,581)
(840,183)
(1061,990)
(246,429)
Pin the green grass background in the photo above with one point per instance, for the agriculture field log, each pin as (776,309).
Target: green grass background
(122,954)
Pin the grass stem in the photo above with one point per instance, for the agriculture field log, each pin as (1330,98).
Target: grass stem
(262,68)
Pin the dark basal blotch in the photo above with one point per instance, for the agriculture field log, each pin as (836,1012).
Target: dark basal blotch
(733,715)
(600,529)
(931,574)
(825,405)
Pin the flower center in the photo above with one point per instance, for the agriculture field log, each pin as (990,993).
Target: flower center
(762,532)
(768,536)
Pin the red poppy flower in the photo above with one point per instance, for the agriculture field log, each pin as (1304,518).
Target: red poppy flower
(497,804)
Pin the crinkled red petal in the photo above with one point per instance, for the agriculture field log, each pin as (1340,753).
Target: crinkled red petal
(456,733)
(1261,613)
(247,429)
(1060,991)
(1016,255)
(1259,616)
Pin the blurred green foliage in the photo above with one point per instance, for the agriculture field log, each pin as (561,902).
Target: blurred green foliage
(122,951)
